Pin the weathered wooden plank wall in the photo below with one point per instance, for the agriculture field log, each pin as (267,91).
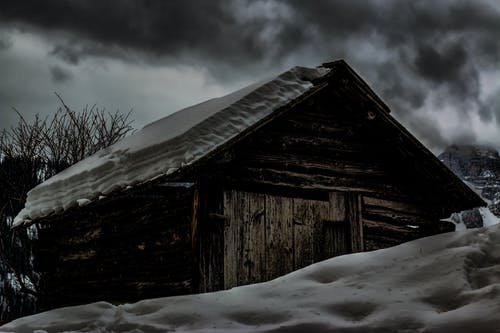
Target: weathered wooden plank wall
(279,235)
(115,254)
(389,222)
(354,216)
(210,244)
(331,144)
(336,232)
(305,153)
(232,238)
(275,235)
(328,143)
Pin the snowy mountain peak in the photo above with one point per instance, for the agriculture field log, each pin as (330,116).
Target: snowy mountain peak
(479,166)
(472,160)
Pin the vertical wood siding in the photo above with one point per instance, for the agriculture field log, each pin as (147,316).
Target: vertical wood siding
(267,235)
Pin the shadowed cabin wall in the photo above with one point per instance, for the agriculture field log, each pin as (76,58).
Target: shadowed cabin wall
(255,237)
(327,144)
(120,249)
(278,234)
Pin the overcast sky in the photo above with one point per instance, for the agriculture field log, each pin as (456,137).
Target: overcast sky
(435,63)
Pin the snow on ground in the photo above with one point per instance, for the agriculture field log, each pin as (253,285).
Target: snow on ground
(489,218)
(444,283)
(166,145)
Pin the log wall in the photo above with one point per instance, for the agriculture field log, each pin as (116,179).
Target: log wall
(118,250)
(331,144)
(320,148)
(388,222)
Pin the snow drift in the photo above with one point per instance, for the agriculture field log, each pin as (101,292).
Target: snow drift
(166,145)
(444,283)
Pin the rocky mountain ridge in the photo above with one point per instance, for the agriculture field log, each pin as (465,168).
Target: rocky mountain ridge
(479,167)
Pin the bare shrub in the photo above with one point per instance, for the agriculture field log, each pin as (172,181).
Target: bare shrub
(31,152)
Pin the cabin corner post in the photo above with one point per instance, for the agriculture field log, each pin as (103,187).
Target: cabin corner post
(194,239)
(194,220)
(353,216)
(208,235)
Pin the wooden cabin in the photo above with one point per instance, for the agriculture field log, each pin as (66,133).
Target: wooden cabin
(330,172)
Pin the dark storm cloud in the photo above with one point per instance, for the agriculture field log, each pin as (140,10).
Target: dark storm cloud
(224,30)
(158,27)
(5,42)
(411,48)
(430,47)
(60,75)
(69,54)
(429,130)
(443,37)
(440,66)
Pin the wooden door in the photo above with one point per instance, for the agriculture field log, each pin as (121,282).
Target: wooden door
(308,218)
(266,236)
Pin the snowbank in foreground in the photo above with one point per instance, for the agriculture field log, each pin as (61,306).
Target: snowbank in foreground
(444,283)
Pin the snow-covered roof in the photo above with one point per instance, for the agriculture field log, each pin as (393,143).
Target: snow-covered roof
(166,145)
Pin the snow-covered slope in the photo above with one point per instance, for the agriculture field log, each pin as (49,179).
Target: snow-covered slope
(167,145)
(444,283)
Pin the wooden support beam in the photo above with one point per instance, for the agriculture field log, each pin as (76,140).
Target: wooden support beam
(353,215)
(194,221)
